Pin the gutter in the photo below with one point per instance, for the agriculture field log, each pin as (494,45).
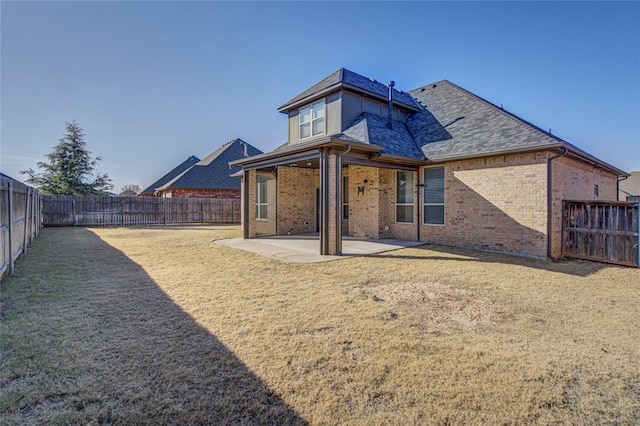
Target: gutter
(618,186)
(550,202)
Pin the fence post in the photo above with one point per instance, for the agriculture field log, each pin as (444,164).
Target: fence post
(10,216)
(201,211)
(233,211)
(164,211)
(39,218)
(73,211)
(26,221)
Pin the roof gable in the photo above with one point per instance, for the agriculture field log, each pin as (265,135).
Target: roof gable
(343,78)
(213,171)
(171,175)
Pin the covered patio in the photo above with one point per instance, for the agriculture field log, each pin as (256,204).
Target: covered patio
(302,189)
(303,248)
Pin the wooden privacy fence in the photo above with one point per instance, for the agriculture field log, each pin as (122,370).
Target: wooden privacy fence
(604,231)
(20,220)
(67,210)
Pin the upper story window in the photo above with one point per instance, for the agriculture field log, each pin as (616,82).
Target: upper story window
(312,120)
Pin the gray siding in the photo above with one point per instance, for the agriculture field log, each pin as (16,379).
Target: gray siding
(354,105)
(351,108)
(342,109)
(294,128)
(333,122)
(333,119)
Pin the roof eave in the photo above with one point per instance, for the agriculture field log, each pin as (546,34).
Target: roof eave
(312,96)
(342,85)
(327,141)
(576,152)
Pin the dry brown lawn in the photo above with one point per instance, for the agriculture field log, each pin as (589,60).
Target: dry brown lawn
(160,325)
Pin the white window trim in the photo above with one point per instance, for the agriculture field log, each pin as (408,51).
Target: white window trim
(258,204)
(324,117)
(443,204)
(396,204)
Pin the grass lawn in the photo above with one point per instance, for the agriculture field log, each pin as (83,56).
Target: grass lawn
(160,325)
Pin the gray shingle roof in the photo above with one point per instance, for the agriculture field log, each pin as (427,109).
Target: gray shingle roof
(456,124)
(171,175)
(213,171)
(345,78)
(372,129)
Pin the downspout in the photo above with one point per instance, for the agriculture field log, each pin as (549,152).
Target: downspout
(618,186)
(420,210)
(550,202)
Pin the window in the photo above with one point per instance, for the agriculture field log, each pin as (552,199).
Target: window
(405,184)
(433,196)
(345,197)
(312,120)
(261,197)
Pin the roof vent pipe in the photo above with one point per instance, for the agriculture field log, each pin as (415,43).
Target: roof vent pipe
(246,153)
(390,112)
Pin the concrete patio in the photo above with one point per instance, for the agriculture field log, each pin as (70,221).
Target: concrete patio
(305,248)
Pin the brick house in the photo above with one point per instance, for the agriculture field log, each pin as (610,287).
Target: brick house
(210,177)
(436,164)
(630,188)
(150,191)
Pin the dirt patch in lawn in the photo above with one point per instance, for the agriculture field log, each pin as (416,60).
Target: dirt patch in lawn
(437,308)
(159,325)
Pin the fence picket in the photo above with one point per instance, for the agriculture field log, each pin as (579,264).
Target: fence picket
(604,231)
(59,210)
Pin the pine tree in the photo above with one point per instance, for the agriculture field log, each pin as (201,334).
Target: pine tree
(70,168)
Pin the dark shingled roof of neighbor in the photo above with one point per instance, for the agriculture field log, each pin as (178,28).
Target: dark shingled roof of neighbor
(172,174)
(213,171)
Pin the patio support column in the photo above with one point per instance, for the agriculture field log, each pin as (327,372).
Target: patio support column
(330,224)
(335,188)
(244,202)
(324,243)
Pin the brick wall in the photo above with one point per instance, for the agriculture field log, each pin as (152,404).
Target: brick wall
(574,180)
(259,227)
(364,206)
(201,193)
(496,203)
(297,200)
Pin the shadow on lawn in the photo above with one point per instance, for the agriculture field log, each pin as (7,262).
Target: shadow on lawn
(129,353)
(582,268)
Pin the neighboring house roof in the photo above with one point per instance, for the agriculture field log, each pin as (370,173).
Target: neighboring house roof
(349,79)
(213,171)
(171,175)
(631,185)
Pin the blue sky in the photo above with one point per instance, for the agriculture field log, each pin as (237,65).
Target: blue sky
(152,83)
